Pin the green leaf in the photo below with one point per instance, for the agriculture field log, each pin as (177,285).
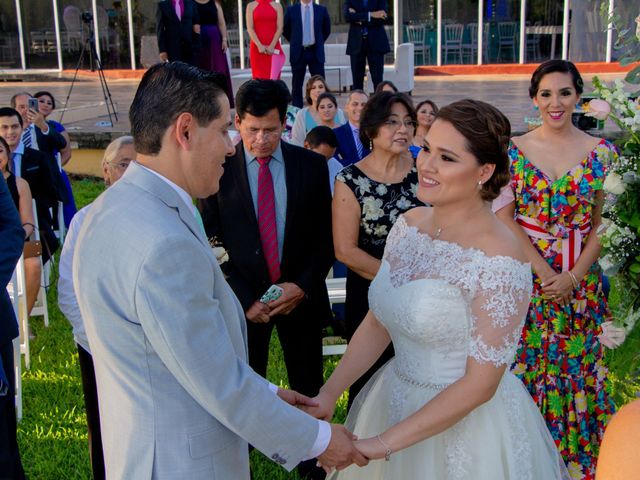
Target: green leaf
(633,76)
(635,268)
(627,61)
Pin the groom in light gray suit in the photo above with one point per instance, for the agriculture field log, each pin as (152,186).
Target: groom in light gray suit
(168,336)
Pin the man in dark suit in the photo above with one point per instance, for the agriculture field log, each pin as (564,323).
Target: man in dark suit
(36,131)
(41,173)
(306,27)
(178,30)
(273,216)
(12,243)
(350,148)
(367,41)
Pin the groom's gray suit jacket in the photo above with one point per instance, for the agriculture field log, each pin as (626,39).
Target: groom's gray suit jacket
(168,338)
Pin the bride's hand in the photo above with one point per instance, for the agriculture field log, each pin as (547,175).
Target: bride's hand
(371,448)
(325,408)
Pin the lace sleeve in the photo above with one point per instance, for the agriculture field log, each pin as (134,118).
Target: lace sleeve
(498,310)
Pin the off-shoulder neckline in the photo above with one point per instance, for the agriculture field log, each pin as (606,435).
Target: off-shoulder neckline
(459,247)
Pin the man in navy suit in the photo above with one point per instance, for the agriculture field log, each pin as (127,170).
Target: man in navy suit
(306,27)
(350,148)
(367,41)
(12,243)
(178,30)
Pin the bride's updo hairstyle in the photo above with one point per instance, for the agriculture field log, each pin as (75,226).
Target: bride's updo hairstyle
(487,132)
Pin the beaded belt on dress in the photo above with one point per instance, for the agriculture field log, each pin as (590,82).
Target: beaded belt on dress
(415,383)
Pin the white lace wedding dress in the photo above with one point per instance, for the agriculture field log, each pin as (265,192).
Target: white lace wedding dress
(441,304)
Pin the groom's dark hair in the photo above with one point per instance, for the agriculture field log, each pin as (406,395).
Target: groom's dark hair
(166,91)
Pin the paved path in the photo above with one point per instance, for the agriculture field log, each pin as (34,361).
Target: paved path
(508,93)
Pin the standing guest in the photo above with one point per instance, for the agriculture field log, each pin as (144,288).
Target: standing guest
(327,107)
(426,113)
(306,27)
(556,189)
(369,196)
(12,241)
(178,30)
(47,104)
(117,157)
(40,172)
(180,400)
(21,194)
(350,147)
(273,215)
(307,118)
(264,25)
(386,86)
(213,36)
(367,41)
(36,131)
(322,140)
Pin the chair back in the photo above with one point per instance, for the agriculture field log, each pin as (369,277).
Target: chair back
(472,28)
(507,31)
(233,38)
(416,33)
(453,33)
(71,18)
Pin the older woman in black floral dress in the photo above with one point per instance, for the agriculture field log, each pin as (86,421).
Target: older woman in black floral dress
(369,196)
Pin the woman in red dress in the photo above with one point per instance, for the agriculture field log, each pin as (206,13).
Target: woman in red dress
(264,25)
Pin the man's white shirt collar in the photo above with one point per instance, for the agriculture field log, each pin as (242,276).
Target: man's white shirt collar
(186,198)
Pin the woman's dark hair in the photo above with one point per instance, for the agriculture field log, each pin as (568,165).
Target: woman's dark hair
(307,88)
(487,132)
(46,94)
(258,97)
(328,95)
(431,103)
(552,66)
(377,110)
(386,83)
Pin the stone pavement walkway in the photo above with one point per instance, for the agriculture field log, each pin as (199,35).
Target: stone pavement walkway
(507,92)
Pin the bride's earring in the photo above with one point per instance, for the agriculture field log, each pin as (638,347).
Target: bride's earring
(479,184)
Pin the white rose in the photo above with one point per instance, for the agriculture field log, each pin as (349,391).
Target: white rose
(609,268)
(614,184)
(221,254)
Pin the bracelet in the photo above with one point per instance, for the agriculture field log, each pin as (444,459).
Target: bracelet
(574,280)
(388,452)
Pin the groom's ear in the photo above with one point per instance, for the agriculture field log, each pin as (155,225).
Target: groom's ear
(184,126)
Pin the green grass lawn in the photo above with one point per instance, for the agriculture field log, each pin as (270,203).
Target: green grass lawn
(52,433)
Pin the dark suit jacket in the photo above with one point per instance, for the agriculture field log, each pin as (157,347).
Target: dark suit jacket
(174,33)
(347,153)
(11,245)
(50,143)
(292,30)
(307,252)
(378,41)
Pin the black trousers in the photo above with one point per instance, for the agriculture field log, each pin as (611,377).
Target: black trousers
(90,391)
(10,464)
(298,70)
(359,61)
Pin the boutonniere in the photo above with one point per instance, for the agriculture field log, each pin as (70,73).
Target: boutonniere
(218,250)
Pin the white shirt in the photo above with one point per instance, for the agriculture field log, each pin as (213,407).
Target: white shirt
(324,431)
(311,29)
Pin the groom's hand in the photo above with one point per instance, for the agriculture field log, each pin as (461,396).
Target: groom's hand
(296,399)
(341,451)
(324,409)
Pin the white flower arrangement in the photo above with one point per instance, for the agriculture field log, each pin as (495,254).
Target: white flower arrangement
(219,251)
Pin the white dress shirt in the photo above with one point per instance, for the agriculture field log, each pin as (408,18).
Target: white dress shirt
(324,430)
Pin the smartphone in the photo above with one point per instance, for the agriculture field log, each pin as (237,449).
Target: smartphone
(33,104)
(274,292)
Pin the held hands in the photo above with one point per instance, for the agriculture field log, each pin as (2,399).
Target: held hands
(262,48)
(559,287)
(296,399)
(324,407)
(258,313)
(341,451)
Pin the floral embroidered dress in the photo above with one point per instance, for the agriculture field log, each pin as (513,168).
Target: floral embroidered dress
(380,206)
(559,358)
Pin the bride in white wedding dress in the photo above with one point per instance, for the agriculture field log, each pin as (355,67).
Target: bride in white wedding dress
(451,293)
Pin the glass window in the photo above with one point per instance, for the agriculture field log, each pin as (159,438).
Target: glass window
(419,27)
(459,31)
(501,42)
(543,30)
(38,28)
(587,34)
(9,43)
(626,11)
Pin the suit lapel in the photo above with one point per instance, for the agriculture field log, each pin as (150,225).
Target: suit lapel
(293,180)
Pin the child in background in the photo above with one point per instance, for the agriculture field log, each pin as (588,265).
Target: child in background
(322,140)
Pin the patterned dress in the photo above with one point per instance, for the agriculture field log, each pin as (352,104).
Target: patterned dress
(380,205)
(559,358)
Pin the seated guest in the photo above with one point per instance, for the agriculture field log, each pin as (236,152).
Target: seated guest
(327,106)
(426,112)
(308,117)
(117,157)
(386,86)
(350,148)
(37,133)
(322,140)
(21,195)
(41,173)
(11,245)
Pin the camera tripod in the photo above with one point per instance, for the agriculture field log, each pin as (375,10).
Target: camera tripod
(89,48)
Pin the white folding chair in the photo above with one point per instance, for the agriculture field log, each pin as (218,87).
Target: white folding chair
(17,298)
(40,307)
(20,307)
(337,288)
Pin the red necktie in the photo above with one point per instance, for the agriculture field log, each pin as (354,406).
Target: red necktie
(267,219)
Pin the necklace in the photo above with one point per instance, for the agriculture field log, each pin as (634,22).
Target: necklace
(440,229)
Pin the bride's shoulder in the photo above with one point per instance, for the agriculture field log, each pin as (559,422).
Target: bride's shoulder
(496,240)
(416,216)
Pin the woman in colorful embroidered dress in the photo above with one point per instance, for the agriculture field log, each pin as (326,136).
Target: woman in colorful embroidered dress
(557,177)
